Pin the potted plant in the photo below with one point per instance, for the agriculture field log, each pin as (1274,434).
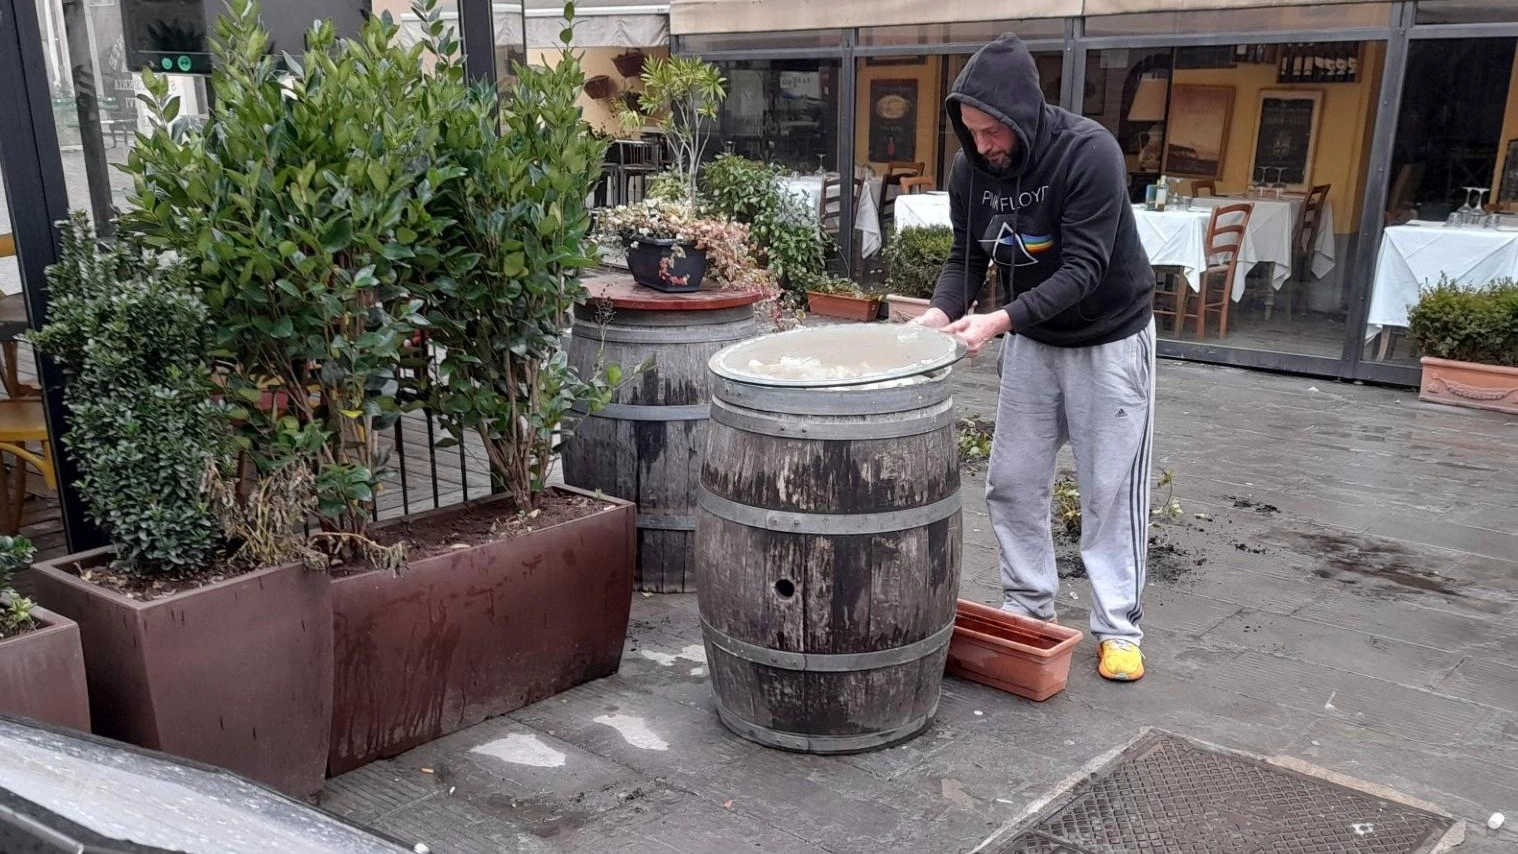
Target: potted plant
(630,63)
(664,249)
(41,660)
(171,613)
(512,598)
(783,234)
(830,296)
(1470,340)
(307,261)
(914,259)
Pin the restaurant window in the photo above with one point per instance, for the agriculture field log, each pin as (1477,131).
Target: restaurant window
(1281,132)
(1452,195)
(1466,12)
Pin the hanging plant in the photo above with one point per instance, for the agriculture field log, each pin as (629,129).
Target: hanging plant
(629,64)
(601,87)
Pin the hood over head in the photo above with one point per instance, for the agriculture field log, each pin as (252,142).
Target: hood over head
(1001,80)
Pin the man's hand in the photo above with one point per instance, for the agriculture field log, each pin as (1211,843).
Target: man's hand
(976,330)
(933,318)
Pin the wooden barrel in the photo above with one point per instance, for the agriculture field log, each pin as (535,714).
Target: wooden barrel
(646,446)
(828,540)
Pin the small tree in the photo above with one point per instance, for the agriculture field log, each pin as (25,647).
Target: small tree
(509,271)
(306,215)
(686,93)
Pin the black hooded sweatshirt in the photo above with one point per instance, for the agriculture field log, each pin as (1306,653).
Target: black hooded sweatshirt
(1057,221)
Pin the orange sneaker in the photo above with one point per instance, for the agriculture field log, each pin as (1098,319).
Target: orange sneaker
(1121,661)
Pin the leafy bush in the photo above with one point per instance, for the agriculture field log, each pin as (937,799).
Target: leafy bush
(15,609)
(133,339)
(914,259)
(783,234)
(510,268)
(1468,325)
(304,209)
(686,92)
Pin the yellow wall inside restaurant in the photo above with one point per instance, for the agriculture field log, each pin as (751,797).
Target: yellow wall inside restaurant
(1346,117)
(1509,130)
(929,110)
(597,60)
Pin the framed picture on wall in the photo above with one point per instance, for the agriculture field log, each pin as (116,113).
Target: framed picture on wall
(1286,138)
(1197,143)
(893,120)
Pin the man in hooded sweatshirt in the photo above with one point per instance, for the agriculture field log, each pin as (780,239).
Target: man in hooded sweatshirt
(1042,193)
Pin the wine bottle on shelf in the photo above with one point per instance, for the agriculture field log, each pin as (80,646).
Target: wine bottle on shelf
(1319,64)
(1298,64)
(1241,54)
(1283,66)
(1352,63)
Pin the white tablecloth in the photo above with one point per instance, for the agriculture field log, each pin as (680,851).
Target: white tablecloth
(923,210)
(808,188)
(1415,255)
(1178,239)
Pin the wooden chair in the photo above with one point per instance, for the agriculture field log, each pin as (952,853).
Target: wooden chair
(896,172)
(22,423)
(1223,243)
(830,203)
(913,186)
(1207,187)
(1303,243)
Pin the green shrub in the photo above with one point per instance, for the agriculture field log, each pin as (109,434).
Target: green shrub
(1468,325)
(784,235)
(915,258)
(304,208)
(133,340)
(15,609)
(512,260)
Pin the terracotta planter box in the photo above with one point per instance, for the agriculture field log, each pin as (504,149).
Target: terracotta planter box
(478,632)
(1470,384)
(843,307)
(906,308)
(42,674)
(1029,658)
(236,674)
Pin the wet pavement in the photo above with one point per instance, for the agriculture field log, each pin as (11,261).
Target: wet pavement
(1340,593)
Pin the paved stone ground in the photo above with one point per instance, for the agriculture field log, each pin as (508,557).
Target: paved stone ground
(1351,602)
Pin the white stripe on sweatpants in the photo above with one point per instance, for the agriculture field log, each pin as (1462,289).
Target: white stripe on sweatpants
(1101,400)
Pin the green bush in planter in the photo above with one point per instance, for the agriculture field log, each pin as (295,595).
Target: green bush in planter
(914,259)
(132,339)
(305,210)
(15,609)
(785,236)
(509,268)
(1468,325)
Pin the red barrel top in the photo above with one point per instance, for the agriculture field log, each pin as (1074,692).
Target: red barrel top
(624,293)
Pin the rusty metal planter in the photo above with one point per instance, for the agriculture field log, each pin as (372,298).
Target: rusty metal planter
(236,674)
(478,632)
(42,674)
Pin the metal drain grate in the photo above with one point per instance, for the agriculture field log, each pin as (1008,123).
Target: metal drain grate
(1167,795)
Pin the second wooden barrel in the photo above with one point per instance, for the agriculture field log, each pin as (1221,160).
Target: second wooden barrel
(828,540)
(646,446)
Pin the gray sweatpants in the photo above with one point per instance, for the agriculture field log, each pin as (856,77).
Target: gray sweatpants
(1101,400)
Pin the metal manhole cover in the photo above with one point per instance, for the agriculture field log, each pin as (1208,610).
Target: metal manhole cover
(1168,795)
